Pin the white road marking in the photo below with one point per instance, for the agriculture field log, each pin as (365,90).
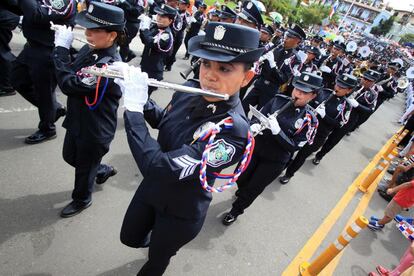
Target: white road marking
(18,109)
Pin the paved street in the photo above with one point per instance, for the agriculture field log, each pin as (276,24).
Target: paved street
(36,183)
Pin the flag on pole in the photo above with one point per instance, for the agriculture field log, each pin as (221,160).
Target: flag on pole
(333,9)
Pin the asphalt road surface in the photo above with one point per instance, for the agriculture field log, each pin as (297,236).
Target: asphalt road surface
(36,183)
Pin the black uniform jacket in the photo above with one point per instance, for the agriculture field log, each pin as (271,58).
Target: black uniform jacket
(170,165)
(155,42)
(36,21)
(271,78)
(337,110)
(97,125)
(294,134)
(367,99)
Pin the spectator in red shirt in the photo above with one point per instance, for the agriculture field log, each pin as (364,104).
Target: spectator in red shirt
(404,198)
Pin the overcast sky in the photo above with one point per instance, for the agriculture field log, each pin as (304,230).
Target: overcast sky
(401,4)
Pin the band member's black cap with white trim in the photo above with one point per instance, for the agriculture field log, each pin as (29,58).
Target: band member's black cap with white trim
(296,31)
(340,45)
(227,42)
(101,16)
(226,12)
(187,2)
(267,29)
(250,12)
(166,10)
(371,75)
(314,50)
(347,81)
(308,82)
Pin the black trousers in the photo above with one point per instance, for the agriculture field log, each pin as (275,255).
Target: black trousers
(307,150)
(256,97)
(131,33)
(258,175)
(33,77)
(169,61)
(336,135)
(186,39)
(8,22)
(409,125)
(85,157)
(168,234)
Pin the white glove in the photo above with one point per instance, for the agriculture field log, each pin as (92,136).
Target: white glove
(296,72)
(256,128)
(354,103)
(274,125)
(325,69)
(63,36)
(193,20)
(134,86)
(321,110)
(271,58)
(145,22)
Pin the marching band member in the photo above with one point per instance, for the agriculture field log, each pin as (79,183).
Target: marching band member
(227,15)
(274,70)
(92,103)
(388,83)
(363,104)
(32,72)
(181,21)
(333,112)
(195,26)
(250,16)
(334,63)
(294,127)
(170,205)
(158,41)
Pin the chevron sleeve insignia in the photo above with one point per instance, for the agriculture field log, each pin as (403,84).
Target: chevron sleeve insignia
(187,163)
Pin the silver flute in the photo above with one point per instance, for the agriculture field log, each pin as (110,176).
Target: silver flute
(103,72)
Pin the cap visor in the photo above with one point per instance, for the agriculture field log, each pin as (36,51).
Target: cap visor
(303,87)
(343,85)
(85,22)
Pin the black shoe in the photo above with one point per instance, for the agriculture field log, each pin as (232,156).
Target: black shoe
(74,208)
(229,218)
(7,92)
(60,112)
(39,137)
(102,178)
(384,195)
(131,56)
(316,161)
(284,179)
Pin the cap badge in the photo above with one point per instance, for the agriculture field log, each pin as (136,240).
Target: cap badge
(293,26)
(306,78)
(249,5)
(219,32)
(90,9)
(345,78)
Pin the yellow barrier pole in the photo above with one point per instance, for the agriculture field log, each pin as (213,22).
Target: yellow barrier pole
(314,268)
(395,143)
(382,164)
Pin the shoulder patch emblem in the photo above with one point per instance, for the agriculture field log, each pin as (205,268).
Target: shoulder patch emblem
(221,153)
(165,36)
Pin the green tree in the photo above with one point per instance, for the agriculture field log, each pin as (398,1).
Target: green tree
(407,38)
(312,14)
(383,27)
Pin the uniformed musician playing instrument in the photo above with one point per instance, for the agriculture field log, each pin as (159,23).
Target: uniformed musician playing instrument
(333,112)
(92,103)
(295,126)
(170,203)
